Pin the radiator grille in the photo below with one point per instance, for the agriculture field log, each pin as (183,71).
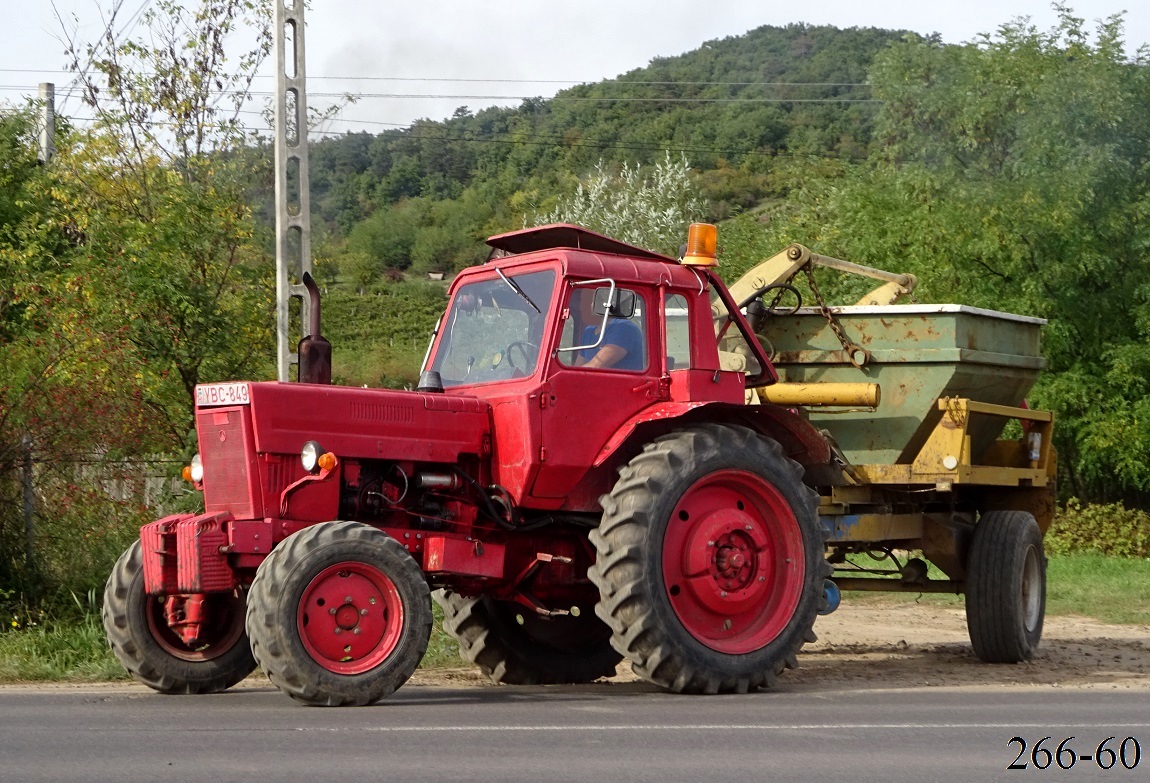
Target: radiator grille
(228,452)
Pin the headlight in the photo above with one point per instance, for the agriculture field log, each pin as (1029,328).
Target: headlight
(310,455)
(197,468)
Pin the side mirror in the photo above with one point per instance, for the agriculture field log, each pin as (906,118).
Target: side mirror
(619,303)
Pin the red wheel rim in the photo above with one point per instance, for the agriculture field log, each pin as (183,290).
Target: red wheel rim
(225,627)
(350,618)
(733,562)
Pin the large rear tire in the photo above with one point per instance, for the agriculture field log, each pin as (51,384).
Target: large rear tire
(339,614)
(710,561)
(1006,587)
(513,646)
(154,654)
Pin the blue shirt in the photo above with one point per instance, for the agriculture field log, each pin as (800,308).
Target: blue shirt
(621,332)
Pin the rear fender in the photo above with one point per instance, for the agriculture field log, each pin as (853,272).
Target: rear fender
(798,437)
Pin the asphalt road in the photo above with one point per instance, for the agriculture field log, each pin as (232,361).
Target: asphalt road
(610,733)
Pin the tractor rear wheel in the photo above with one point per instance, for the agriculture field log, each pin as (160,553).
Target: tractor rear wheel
(339,614)
(1006,587)
(710,561)
(154,654)
(514,646)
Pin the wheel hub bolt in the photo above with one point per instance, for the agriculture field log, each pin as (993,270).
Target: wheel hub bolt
(356,632)
(363,612)
(347,600)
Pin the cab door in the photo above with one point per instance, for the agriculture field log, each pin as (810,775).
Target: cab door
(583,406)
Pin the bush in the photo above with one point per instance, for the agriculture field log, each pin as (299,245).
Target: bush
(1110,529)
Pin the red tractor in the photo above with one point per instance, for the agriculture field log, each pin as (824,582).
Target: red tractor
(569,506)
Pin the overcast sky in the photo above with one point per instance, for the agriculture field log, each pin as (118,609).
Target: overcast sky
(370,46)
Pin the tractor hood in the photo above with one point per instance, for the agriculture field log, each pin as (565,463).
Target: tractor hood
(351,422)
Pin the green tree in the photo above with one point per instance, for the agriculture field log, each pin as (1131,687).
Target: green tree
(66,397)
(1012,173)
(159,188)
(650,208)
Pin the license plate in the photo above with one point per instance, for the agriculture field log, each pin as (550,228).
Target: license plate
(222,394)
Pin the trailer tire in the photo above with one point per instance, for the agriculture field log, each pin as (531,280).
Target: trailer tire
(710,561)
(1006,587)
(153,654)
(339,614)
(538,651)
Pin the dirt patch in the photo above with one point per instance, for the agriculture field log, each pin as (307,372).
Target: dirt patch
(915,645)
(885,645)
(895,645)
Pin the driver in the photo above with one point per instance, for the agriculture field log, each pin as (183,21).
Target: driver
(622,344)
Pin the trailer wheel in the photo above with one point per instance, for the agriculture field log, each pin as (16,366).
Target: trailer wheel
(710,561)
(339,614)
(512,646)
(154,654)
(1006,587)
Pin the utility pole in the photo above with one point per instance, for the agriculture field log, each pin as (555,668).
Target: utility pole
(47,122)
(293,196)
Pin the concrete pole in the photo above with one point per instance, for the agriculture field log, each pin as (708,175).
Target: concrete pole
(47,122)
(293,197)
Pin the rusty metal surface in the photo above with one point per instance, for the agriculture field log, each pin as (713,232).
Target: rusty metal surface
(873,527)
(918,353)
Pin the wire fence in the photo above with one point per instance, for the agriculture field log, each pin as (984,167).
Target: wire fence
(65,517)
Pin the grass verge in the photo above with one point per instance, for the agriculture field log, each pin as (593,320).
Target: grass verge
(1111,589)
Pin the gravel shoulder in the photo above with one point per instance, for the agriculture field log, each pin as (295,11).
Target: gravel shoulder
(899,645)
(893,645)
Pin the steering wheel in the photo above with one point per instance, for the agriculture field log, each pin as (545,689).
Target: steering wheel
(528,350)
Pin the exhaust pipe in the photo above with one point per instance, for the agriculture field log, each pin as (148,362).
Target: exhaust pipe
(314,351)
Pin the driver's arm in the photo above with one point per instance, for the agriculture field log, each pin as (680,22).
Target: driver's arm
(607,356)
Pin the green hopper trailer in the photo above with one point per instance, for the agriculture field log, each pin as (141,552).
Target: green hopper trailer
(917,399)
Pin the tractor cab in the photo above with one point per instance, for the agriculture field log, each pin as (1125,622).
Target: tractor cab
(576,340)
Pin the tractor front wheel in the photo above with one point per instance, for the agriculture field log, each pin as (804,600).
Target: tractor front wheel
(1006,587)
(154,654)
(710,561)
(339,614)
(514,646)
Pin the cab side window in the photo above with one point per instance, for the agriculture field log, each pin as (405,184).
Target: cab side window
(678,332)
(622,345)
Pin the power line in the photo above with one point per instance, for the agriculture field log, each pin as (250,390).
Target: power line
(556,99)
(588,99)
(535,140)
(576,82)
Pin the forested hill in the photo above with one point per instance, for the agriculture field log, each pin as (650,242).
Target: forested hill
(421,198)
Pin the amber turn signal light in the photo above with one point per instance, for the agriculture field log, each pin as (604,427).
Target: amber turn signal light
(327,461)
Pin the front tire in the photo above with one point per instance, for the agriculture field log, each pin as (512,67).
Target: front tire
(710,561)
(515,647)
(1006,587)
(155,655)
(339,614)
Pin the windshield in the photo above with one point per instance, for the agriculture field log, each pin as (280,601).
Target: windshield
(493,328)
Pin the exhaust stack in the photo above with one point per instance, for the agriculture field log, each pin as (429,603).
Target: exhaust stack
(314,351)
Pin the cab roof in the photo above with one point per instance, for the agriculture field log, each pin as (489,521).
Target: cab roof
(571,236)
